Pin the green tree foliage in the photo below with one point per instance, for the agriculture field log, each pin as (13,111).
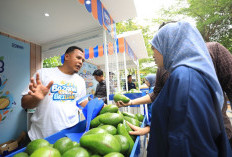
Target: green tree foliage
(130,25)
(52,62)
(213,18)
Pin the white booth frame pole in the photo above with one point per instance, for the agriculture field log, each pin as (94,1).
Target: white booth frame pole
(142,107)
(139,82)
(138,74)
(124,56)
(117,68)
(106,65)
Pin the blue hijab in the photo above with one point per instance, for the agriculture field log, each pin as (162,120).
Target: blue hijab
(182,45)
(151,78)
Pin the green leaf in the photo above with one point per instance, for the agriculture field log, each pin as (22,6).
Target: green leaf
(52,62)
(213,18)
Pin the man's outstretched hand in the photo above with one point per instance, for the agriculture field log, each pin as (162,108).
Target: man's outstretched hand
(37,89)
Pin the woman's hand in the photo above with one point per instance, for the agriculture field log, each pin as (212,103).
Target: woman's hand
(138,130)
(122,104)
(142,100)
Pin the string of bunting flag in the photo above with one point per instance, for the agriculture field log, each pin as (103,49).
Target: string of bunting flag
(121,45)
(101,14)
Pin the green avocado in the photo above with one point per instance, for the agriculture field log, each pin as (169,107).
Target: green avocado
(129,115)
(135,91)
(102,143)
(111,118)
(128,128)
(122,131)
(75,144)
(36,144)
(109,128)
(140,117)
(95,131)
(95,155)
(46,152)
(95,122)
(121,97)
(63,144)
(109,108)
(132,121)
(22,154)
(114,154)
(123,142)
(76,152)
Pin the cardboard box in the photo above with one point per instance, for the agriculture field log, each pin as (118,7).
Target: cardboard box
(8,146)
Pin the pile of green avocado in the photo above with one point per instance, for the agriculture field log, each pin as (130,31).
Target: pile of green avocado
(130,91)
(110,131)
(109,137)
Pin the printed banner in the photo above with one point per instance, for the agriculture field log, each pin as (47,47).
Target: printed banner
(14,77)
(107,20)
(86,72)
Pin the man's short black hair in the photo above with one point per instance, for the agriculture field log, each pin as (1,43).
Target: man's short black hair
(111,73)
(129,76)
(164,23)
(98,72)
(72,48)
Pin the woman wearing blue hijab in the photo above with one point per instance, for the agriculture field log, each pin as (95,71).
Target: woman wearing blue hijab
(186,115)
(150,81)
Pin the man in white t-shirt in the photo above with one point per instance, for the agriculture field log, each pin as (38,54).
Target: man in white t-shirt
(54,92)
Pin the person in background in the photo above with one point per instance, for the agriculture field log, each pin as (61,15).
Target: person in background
(131,85)
(186,115)
(113,84)
(150,82)
(53,92)
(101,86)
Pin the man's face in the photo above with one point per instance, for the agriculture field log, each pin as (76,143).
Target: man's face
(75,60)
(130,79)
(98,78)
(111,76)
